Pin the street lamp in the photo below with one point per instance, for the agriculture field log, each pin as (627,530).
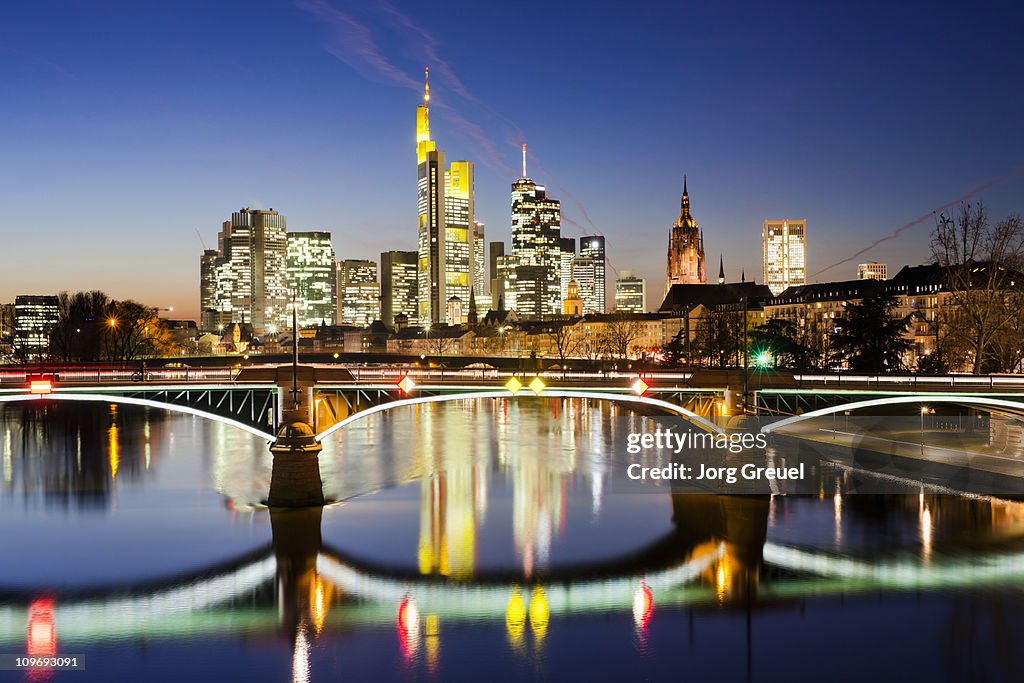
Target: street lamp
(924,411)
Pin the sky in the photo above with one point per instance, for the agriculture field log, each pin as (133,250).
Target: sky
(130,130)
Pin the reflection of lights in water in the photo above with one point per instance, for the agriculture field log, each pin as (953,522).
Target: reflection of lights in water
(42,632)
(721,581)
(540,613)
(409,628)
(515,619)
(432,641)
(300,657)
(323,593)
(112,444)
(643,606)
(926,532)
(837,505)
(8,451)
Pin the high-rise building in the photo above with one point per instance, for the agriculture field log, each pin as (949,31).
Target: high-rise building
(214,306)
(871,271)
(398,286)
(685,248)
(536,243)
(568,254)
(507,283)
(249,276)
(583,274)
(630,293)
(359,292)
(34,319)
(495,251)
(785,254)
(480,282)
(592,247)
(445,204)
(311,277)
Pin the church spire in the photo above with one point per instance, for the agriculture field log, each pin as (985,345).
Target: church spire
(721,270)
(684,203)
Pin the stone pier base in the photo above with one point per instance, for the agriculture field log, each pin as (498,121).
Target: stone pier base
(295,479)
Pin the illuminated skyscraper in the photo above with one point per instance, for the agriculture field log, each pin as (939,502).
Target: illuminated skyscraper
(593,248)
(358,292)
(480,283)
(785,254)
(311,275)
(459,249)
(445,204)
(250,277)
(34,319)
(398,286)
(567,255)
(630,293)
(536,243)
(583,273)
(685,248)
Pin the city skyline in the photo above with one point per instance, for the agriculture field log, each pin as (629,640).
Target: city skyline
(131,145)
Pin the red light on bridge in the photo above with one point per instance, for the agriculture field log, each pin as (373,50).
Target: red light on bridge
(643,605)
(40,386)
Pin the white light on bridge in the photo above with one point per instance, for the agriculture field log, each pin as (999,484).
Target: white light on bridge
(640,387)
(407,385)
(537,385)
(41,386)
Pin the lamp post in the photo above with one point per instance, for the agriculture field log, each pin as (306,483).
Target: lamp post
(924,411)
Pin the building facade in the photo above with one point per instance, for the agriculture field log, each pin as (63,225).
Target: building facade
(685,248)
(311,276)
(445,206)
(496,250)
(480,282)
(630,293)
(785,254)
(537,245)
(595,299)
(359,292)
(246,280)
(34,319)
(871,271)
(585,276)
(568,254)
(398,286)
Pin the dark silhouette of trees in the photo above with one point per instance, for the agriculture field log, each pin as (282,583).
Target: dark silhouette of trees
(871,338)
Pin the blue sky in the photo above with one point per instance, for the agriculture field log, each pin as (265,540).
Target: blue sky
(126,127)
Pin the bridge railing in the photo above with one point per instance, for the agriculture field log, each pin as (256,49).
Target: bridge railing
(912,381)
(120,375)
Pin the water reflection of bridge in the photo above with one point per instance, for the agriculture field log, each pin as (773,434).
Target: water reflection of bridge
(716,554)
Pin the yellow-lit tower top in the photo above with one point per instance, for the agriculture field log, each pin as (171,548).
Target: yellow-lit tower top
(423,142)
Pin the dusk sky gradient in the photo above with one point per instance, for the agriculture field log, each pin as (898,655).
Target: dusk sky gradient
(125,127)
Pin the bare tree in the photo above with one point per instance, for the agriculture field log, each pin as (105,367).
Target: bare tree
(567,339)
(982,264)
(619,336)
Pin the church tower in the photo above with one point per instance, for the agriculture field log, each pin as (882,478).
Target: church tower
(685,248)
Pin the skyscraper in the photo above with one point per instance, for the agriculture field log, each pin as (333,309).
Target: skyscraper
(496,250)
(398,286)
(785,254)
(583,274)
(445,204)
(685,248)
(249,276)
(630,293)
(536,243)
(568,254)
(358,292)
(312,278)
(592,247)
(480,283)
(34,319)
(210,302)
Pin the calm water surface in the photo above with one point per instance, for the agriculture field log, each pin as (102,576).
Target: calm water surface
(491,540)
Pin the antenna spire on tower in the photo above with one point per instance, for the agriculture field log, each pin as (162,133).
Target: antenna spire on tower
(426,85)
(524,159)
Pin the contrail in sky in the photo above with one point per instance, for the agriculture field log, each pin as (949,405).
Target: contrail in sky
(987,185)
